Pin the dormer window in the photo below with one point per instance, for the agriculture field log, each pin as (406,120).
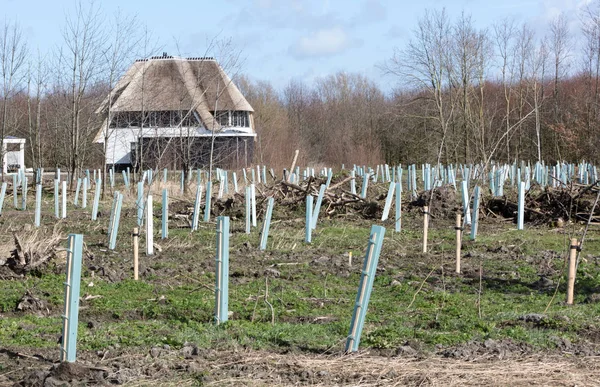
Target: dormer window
(155,119)
(232,118)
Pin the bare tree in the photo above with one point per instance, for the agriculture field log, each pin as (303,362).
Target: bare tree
(538,60)
(524,46)
(471,51)
(124,37)
(84,38)
(590,24)
(504,34)
(560,47)
(425,65)
(13,54)
(37,83)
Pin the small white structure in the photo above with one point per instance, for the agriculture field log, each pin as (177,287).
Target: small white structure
(13,149)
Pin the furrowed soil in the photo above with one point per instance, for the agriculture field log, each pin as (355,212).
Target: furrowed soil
(503,320)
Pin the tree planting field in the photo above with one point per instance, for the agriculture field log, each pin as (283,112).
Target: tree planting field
(502,321)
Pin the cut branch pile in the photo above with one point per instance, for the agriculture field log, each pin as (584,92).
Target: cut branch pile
(337,200)
(548,206)
(33,249)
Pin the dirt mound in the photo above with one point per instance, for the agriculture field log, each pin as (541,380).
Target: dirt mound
(66,374)
(444,203)
(30,303)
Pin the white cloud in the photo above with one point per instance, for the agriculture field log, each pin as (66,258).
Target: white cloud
(324,42)
(265,3)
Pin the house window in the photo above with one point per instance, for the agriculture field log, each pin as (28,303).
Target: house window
(155,119)
(240,119)
(232,118)
(222,117)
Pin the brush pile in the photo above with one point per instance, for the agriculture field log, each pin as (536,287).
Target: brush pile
(548,206)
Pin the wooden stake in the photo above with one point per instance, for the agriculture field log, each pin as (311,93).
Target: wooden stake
(136,252)
(572,267)
(425,227)
(293,163)
(458,229)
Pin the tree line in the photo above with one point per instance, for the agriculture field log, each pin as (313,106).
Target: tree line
(462,94)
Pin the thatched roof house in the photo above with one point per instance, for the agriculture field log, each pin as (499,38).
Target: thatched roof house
(165,111)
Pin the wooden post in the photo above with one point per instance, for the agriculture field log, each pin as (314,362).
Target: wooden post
(425,227)
(572,268)
(294,163)
(136,252)
(458,228)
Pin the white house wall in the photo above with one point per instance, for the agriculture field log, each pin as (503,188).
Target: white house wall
(119,141)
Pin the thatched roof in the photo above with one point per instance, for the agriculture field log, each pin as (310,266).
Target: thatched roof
(172,83)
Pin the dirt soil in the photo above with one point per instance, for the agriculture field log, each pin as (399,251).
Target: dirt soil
(190,366)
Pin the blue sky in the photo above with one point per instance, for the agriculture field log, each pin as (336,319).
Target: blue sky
(281,40)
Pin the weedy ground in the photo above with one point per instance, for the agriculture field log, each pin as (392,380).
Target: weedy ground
(293,302)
